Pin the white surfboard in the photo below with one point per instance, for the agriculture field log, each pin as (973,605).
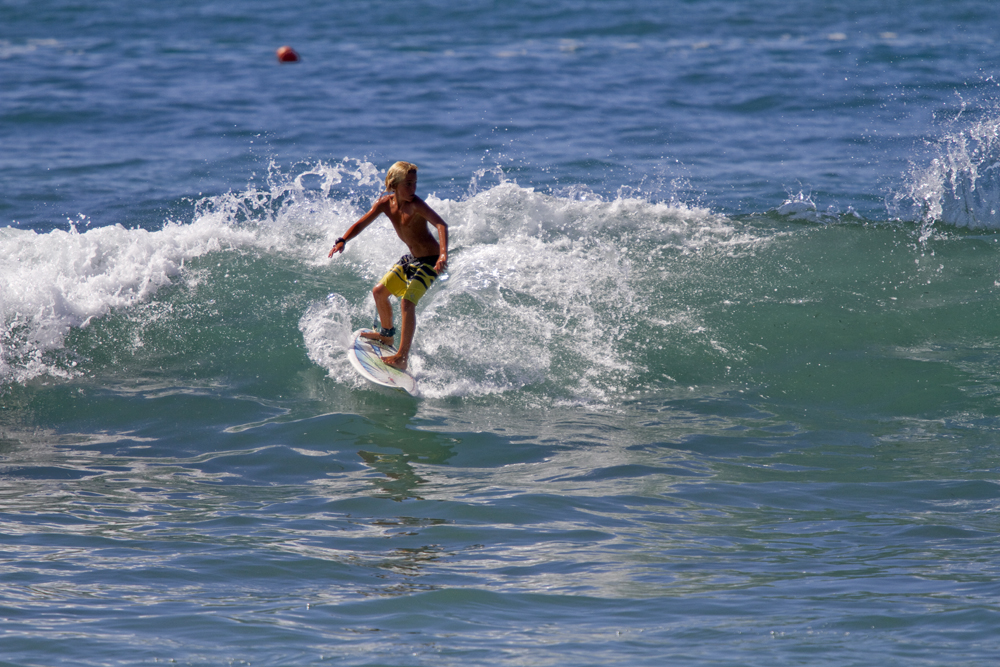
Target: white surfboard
(366,355)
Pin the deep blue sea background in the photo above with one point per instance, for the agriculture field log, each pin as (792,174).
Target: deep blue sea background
(712,378)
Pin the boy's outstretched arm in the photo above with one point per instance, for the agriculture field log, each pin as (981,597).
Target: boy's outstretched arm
(368,218)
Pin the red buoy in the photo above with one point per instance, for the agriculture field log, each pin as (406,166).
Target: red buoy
(286,54)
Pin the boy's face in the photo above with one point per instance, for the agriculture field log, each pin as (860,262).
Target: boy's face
(407,188)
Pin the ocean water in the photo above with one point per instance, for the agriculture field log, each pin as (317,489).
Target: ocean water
(713,377)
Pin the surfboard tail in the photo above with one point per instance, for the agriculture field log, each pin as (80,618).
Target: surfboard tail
(366,356)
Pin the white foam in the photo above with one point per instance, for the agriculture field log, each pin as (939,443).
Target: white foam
(326,331)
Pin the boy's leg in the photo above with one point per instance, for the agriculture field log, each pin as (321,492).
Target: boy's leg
(392,283)
(415,288)
(407,328)
(384,308)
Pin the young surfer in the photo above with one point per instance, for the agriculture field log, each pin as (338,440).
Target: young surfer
(413,273)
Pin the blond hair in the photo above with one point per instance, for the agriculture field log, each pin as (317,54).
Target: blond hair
(397,173)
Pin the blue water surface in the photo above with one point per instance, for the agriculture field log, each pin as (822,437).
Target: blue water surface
(711,379)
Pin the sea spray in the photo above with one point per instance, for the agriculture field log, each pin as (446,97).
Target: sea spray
(960,185)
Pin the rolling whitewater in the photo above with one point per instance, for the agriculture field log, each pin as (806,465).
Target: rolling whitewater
(711,376)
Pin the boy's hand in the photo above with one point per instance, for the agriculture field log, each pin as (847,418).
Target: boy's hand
(339,243)
(441,263)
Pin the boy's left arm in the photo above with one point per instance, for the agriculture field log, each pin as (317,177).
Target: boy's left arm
(442,227)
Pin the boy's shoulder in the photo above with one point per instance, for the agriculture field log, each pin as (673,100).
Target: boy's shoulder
(420,204)
(383,204)
(426,212)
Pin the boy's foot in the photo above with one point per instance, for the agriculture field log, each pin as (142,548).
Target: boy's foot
(374,335)
(396,361)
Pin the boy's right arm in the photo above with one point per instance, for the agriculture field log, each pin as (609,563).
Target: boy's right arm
(355,229)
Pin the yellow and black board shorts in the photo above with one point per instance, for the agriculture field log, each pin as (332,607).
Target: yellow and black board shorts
(411,277)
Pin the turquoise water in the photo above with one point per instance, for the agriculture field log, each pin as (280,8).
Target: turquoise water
(711,380)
